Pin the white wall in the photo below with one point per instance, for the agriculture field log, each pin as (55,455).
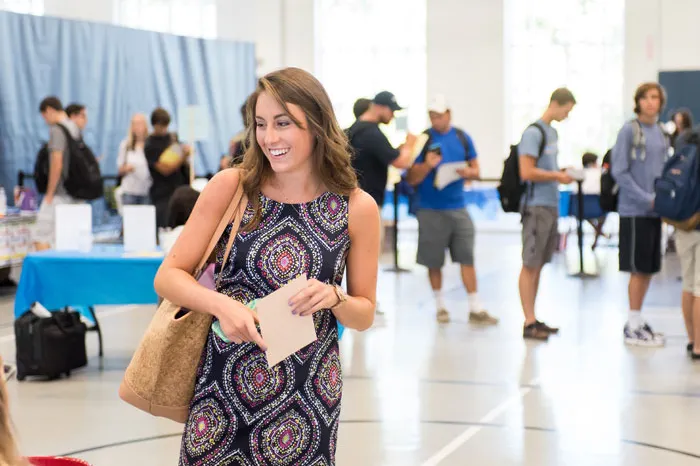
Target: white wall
(660,35)
(284,34)
(466,63)
(101,11)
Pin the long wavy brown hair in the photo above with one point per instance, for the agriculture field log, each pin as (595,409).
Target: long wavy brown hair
(331,158)
(9,455)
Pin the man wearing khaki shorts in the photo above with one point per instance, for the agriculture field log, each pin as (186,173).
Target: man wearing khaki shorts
(443,220)
(539,169)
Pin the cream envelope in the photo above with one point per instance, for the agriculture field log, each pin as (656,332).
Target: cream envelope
(283,332)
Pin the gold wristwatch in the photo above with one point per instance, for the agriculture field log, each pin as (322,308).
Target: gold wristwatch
(341,294)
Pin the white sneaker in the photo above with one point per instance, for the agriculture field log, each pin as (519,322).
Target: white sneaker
(643,336)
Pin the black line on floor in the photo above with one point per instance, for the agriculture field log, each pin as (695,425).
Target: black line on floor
(371,421)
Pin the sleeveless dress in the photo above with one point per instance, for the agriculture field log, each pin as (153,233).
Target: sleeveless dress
(243,413)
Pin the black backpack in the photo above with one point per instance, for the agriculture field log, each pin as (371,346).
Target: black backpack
(512,188)
(609,191)
(41,169)
(84,180)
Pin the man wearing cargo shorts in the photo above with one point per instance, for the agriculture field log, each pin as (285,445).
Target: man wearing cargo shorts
(443,220)
(539,170)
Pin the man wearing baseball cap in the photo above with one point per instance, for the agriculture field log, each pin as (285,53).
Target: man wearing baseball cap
(373,153)
(443,220)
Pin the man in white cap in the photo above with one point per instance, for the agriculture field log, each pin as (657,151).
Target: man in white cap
(443,220)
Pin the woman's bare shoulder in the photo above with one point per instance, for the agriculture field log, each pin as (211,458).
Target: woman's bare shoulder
(362,207)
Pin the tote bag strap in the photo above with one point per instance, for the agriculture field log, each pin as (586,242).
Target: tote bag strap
(223,223)
(243,203)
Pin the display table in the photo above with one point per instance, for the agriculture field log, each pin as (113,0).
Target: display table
(104,276)
(15,238)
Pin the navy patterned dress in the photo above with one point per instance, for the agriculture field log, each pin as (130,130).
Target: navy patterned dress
(242,412)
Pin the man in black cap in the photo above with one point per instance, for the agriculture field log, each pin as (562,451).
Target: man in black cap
(372,151)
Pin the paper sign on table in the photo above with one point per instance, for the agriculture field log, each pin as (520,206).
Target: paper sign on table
(73,227)
(447,173)
(283,332)
(139,228)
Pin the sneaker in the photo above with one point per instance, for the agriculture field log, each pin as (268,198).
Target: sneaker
(546,328)
(443,316)
(642,337)
(534,332)
(482,318)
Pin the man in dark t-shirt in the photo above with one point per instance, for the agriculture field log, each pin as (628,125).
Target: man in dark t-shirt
(167,175)
(372,151)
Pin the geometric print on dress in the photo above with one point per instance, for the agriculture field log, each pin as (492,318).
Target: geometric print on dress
(324,387)
(287,415)
(322,324)
(211,422)
(253,388)
(327,219)
(288,436)
(281,254)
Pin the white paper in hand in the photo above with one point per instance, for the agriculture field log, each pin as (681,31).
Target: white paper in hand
(447,173)
(283,332)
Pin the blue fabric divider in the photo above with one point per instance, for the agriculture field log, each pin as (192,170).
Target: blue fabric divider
(115,72)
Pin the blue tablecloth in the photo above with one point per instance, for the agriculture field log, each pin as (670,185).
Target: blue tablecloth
(105,275)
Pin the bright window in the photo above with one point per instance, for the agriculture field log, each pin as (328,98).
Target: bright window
(363,47)
(194,18)
(33,7)
(573,43)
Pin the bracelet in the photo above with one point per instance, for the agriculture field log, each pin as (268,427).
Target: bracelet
(340,294)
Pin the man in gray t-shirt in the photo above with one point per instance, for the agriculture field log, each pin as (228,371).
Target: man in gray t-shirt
(540,204)
(52,111)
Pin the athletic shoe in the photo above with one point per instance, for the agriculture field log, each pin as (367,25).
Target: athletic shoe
(642,336)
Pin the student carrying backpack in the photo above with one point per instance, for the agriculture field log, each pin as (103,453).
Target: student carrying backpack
(609,189)
(512,188)
(83,180)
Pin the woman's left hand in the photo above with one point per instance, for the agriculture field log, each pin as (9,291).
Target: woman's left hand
(315,297)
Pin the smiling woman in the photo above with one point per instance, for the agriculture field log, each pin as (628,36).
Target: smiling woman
(305,216)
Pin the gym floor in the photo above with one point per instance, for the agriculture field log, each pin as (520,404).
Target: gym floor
(417,393)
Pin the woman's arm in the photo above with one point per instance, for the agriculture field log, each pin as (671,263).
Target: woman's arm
(362,263)
(174,280)
(357,311)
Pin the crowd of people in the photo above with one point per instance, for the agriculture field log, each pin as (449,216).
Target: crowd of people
(314,192)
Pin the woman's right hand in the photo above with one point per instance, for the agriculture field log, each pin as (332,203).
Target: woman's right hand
(238,322)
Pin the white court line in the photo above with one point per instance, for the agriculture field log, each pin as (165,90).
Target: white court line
(464,437)
(101,315)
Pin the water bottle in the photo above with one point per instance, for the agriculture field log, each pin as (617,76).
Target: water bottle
(3,202)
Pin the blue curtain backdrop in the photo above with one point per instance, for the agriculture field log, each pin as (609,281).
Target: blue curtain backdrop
(115,72)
